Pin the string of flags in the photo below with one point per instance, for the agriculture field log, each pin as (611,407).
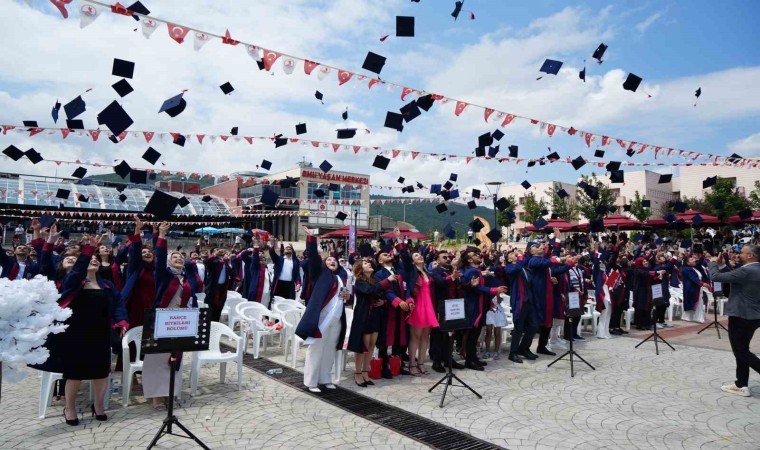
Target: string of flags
(266,59)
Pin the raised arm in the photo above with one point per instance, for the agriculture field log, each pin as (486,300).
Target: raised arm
(312,254)
(161,253)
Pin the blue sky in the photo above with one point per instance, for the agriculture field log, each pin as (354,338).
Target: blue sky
(675,46)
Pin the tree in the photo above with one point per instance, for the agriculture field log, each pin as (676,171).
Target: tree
(754,196)
(637,209)
(595,208)
(532,208)
(697,204)
(564,208)
(502,219)
(726,195)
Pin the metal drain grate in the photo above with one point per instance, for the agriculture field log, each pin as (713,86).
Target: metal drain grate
(410,425)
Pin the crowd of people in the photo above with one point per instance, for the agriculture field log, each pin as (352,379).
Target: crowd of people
(394,287)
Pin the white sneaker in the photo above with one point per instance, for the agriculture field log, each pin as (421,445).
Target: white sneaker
(315,390)
(331,386)
(732,389)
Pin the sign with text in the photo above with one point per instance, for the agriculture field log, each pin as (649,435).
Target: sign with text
(657,298)
(452,314)
(573,305)
(174,323)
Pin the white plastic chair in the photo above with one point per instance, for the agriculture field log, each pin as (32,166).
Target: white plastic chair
(129,368)
(253,313)
(231,295)
(591,316)
(290,321)
(341,355)
(47,383)
(201,297)
(676,303)
(286,301)
(629,312)
(232,316)
(214,355)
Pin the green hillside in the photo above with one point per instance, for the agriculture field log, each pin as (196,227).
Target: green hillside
(113,178)
(426,219)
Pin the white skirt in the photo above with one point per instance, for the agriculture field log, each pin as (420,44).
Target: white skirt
(496,318)
(155,376)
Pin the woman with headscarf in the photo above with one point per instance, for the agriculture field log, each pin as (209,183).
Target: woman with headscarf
(693,282)
(643,280)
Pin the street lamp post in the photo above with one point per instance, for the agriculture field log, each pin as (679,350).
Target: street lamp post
(495,194)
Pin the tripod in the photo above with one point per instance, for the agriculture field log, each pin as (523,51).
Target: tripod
(656,337)
(715,322)
(450,377)
(171,419)
(571,353)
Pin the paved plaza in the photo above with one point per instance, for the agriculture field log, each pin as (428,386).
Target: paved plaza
(633,400)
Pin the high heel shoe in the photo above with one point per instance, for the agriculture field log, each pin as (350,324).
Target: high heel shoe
(98,417)
(362,384)
(73,422)
(368,382)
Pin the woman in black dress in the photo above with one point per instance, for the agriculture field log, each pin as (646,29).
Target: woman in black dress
(96,308)
(368,319)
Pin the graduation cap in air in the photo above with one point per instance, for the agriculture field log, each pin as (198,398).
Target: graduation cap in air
(626,208)
(122,68)
(180,140)
(471,204)
(33,156)
(301,128)
(599,53)
(62,193)
(733,159)
(480,151)
(115,118)
(74,108)
(319,193)
(612,166)
(446,195)
(122,87)
(31,123)
(226,88)
(161,205)
(269,197)
(454,193)
(381,162)
(632,82)
(80,172)
(280,141)
(544,212)
(551,67)
(138,176)
(476,225)
(493,151)
(646,203)
(540,223)
(234,131)
(592,192)
(494,235)
(513,151)
(288,182)
(599,153)
(475,193)
(745,214)
(435,188)
(502,204)
(582,74)
(341,215)
(679,207)
(122,169)
(665,178)
(325,166)
(458,9)
(525,184)
(138,8)
(441,208)
(122,198)
(334,187)
(709,181)
(13,152)
(497,134)
(484,140)
(394,120)
(174,106)
(448,231)
(697,93)
(600,209)
(75,124)
(47,220)
(56,109)
(562,193)
(346,133)
(453,177)
(83,198)
(373,62)
(596,226)
(578,162)
(697,220)
(404,27)
(401,180)
(425,102)
(410,111)
(151,155)
(448,185)
(183,201)
(319,97)
(617,176)
(266,165)
(630,152)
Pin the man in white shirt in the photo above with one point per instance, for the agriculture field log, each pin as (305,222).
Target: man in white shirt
(287,271)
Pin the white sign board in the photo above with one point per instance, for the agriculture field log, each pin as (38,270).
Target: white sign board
(174,323)
(454,309)
(717,286)
(657,291)
(574,300)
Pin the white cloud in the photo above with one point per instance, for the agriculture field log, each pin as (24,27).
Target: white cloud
(749,146)
(644,25)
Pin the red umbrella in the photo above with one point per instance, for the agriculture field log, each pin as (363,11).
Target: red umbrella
(343,233)
(405,233)
(687,218)
(556,224)
(736,219)
(621,222)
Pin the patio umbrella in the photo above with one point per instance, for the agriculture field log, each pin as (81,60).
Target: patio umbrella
(343,233)
(621,222)
(754,219)
(555,224)
(232,230)
(685,218)
(407,233)
(207,230)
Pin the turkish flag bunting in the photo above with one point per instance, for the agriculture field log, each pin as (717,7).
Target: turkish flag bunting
(487,114)
(309,66)
(177,32)
(6,128)
(406,91)
(372,82)
(269,58)
(224,138)
(227,39)
(508,119)
(414,155)
(587,138)
(34,131)
(605,140)
(550,129)
(357,148)
(335,147)
(200,138)
(344,76)
(459,109)
(250,139)
(395,153)
(65,132)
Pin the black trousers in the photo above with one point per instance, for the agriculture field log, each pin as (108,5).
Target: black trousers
(471,346)
(617,312)
(740,333)
(659,313)
(571,327)
(283,289)
(543,337)
(524,330)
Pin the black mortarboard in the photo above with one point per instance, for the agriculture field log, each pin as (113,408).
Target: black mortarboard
(161,205)
(151,155)
(734,158)
(554,216)
(476,225)
(122,68)
(269,197)
(138,176)
(697,220)
(599,154)
(646,203)
(74,108)
(494,235)
(333,187)
(114,138)
(544,212)
(665,178)
(345,114)
(511,214)
(404,26)
(617,176)
(596,226)
(301,128)
(493,151)
(381,162)
(138,8)
(174,106)
(13,152)
(626,207)
(592,192)
(630,152)
(448,185)
(582,74)
(457,9)
(446,195)
(435,188)
(578,162)
(562,193)
(679,207)
(266,165)
(497,134)
(502,204)
(226,88)
(261,64)
(525,184)
(540,223)
(319,193)
(448,231)
(183,201)
(120,186)
(83,198)
(280,141)
(56,109)
(234,131)
(346,133)
(480,151)
(745,214)
(122,87)
(600,209)
(441,208)
(410,189)
(287,182)
(79,173)
(632,82)
(599,52)
(453,177)
(669,217)
(476,193)
(374,62)
(206,198)
(30,123)
(75,124)
(115,118)
(513,151)
(62,193)
(33,156)
(553,156)
(454,193)
(582,184)
(425,102)
(551,66)
(471,204)
(410,111)
(341,215)
(394,120)
(319,96)
(612,166)
(401,180)
(485,139)
(709,181)
(47,220)
(325,166)
(180,140)
(122,169)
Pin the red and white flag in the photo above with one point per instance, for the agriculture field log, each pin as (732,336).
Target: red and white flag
(88,12)
(177,32)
